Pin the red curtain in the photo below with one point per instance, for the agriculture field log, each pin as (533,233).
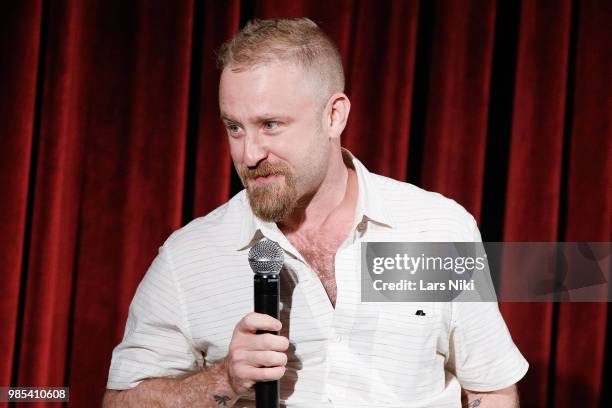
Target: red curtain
(110,140)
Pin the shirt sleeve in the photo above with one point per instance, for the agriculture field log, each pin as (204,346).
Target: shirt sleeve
(481,351)
(156,342)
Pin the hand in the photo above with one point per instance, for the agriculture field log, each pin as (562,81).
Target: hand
(255,357)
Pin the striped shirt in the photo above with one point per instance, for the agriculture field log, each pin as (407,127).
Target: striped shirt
(354,355)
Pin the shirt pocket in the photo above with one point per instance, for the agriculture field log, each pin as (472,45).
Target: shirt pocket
(405,353)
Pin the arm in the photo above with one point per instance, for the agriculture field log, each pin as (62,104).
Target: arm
(251,358)
(504,398)
(206,388)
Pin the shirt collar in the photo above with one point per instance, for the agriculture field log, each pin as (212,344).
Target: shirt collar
(370,201)
(370,207)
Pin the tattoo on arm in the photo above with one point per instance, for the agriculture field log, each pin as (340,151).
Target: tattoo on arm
(222,400)
(474,403)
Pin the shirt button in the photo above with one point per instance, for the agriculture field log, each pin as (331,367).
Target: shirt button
(361,226)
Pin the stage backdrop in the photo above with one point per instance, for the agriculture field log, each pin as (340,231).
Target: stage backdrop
(110,140)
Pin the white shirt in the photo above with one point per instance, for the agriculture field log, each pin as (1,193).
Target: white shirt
(356,355)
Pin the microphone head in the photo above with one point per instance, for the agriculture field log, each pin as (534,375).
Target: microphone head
(266,257)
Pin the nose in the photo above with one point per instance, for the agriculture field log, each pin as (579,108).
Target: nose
(255,149)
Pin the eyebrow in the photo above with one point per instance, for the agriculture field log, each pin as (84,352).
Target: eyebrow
(228,119)
(259,118)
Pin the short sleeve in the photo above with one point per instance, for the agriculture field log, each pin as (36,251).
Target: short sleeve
(156,342)
(482,354)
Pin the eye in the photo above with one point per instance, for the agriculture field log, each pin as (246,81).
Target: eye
(271,125)
(232,128)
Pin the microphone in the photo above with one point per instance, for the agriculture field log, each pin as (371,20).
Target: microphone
(266,260)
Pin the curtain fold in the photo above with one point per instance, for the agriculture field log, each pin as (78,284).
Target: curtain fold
(55,203)
(457,104)
(213,163)
(110,140)
(579,359)
(19,65)
(534,172)
(381,77)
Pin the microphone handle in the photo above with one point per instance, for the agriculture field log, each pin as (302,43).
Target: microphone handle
(267,297)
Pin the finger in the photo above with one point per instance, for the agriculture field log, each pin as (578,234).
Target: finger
(267,359)
(258,321)
(268,341)
(266,373)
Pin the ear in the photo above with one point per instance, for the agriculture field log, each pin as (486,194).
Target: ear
(336,114)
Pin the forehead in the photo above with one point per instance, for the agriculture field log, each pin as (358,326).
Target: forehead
(280,87)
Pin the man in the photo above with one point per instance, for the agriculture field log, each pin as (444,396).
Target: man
(191,339)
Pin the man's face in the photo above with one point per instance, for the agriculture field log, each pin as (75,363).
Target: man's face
(273,116)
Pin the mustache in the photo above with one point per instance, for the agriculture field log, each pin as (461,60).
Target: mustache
(264,169)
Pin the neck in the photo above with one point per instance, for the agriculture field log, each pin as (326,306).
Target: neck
(333,202)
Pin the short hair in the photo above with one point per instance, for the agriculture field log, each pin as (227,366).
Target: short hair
(294,40)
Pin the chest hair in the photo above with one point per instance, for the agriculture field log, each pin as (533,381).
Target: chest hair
(320,253)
